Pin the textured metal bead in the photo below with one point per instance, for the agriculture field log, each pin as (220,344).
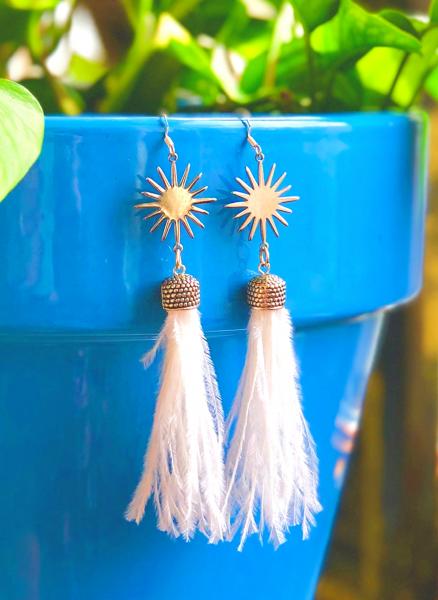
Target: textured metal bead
(180,291)
(266,291)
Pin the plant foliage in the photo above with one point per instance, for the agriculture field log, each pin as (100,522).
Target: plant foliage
(21,133)
(139,56)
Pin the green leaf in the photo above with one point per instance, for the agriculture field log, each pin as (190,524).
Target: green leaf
(30,4)
(354,31)
(378,68)
(84,72)
(21,134)
(13,25)
(417,70)
(172,36)
(433,12)
(400,20)
(432,84)
(313,13)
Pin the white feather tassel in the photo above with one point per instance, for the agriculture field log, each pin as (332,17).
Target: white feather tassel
(183,465)
(272,465)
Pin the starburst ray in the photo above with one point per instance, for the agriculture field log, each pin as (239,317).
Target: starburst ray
(263,228)
(286,199)
(285,189)
(243,212)
(197,192)
(163,178)
(254,228)
(150,195)
(201,211)
(195,219)
(185,175)
(279,181)
(187,227)
(246,222)
(236,205)
(152,214)
(174,174)
(155,185)
(270,176)
(148,205)
(244,185)
(204,200)
(194,182)
(251,177)
(284,209)
(166,229)
(261,174)
(273,226)
(157,224)
(241,195)
(280,218)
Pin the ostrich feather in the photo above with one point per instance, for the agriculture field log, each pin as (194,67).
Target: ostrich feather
(271,467)
(183,464)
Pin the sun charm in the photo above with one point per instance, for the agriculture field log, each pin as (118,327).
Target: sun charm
(174,202)
(262,201)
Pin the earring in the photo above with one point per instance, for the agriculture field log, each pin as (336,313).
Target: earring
(183,464)
(271,464)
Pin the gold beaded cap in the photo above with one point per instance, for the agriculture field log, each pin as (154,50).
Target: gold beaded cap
(181,291)
(266,291)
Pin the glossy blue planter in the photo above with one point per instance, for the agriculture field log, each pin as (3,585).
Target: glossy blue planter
(79,304)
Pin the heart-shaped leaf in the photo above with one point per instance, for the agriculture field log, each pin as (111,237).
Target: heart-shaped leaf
(354,31)
(315,12)
(21,133)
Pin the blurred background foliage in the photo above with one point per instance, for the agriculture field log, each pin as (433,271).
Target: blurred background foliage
(385,544)
(140,56)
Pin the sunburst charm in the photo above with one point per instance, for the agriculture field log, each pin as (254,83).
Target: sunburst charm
(262,201)
(175,202)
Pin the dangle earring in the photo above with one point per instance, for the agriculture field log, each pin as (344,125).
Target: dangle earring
(183,464)
(271,467)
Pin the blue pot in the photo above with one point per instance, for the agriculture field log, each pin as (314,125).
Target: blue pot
(79,304)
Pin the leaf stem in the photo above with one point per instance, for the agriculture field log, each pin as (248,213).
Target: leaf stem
(418,88)
(311,67)
(388,98)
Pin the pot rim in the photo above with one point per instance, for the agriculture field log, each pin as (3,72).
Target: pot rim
(293,120)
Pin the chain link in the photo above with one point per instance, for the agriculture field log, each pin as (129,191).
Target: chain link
(264,259)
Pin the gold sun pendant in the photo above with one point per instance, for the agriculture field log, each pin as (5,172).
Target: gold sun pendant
(262,201)
(174,202)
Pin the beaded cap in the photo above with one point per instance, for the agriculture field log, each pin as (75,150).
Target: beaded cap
(266,291)
(180,291)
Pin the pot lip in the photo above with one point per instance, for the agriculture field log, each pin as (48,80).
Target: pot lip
(348,119)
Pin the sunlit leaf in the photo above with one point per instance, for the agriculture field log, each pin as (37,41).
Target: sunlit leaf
(378,68)
(30,4)
(354,31)
(226,75)
(175,38)
(432,84)
(83,72)
(21,133)
(417,70)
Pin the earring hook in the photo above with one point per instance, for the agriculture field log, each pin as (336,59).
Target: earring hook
(173,156)
(250,138)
